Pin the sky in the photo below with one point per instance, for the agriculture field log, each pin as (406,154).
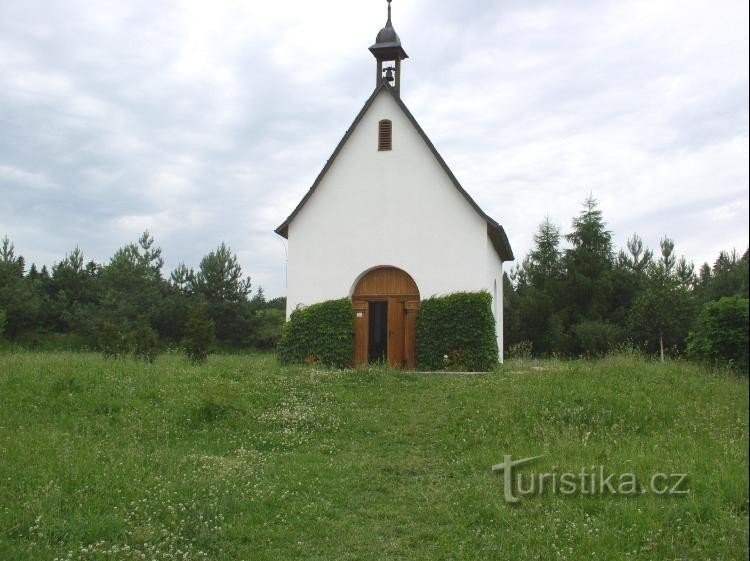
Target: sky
(207,121)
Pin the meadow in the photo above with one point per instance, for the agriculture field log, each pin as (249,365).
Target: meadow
(242,458)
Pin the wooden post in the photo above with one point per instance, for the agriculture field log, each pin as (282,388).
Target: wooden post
(361,331)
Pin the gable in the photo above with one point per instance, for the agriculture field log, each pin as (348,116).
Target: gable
(495,231)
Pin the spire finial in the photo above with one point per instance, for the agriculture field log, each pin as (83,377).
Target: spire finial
(387,49)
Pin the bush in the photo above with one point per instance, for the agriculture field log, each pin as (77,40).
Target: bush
(721,333)
(138,340)
(2,321)
(320,333)
(111,340)
(268,330)
(456,332)
(596,338)
(46,341)
(143,342)
(200,336)
(522,350)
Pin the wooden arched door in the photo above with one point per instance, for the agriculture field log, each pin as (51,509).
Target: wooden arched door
(385,302)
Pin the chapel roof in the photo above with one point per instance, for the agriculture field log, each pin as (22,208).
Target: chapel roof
(495,231)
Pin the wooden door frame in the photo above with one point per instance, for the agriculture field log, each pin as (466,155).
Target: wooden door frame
(396,287)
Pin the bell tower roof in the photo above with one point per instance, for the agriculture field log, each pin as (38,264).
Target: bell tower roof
(387,43)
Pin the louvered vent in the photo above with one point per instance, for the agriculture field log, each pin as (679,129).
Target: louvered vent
(385,133)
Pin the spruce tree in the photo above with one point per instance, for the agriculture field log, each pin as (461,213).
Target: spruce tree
(588,264)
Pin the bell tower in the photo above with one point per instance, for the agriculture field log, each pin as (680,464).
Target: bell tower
(388,54)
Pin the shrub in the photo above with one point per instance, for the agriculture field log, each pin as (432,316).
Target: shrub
(320,333)
(2,321)
(596,338)
(522,350)
(138,340)
(200,336)
(456,332)
(111,340)
(143,342)
(721,333)
(46,341)
(268,330)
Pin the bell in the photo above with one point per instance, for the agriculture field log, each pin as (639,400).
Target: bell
(389,71)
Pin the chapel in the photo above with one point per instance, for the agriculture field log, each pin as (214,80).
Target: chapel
(386,223)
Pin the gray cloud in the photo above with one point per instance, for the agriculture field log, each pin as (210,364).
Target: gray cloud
(206,122)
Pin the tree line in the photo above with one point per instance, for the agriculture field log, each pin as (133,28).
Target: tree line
(572,295)
(586,298)
(128,305)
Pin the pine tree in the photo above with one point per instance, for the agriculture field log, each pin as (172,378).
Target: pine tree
(132,289)
(637,259)
(183,279)
(668,258)
(685,272)
(544,261)
(20,298)
(588,264)
(591,253)
(200,335)
(538,286)
(219,278)
(664,308)
(220,282)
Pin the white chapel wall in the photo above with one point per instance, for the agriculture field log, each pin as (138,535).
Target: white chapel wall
(394,208)
(494,273)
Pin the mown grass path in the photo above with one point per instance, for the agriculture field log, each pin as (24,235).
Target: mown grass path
(244,459)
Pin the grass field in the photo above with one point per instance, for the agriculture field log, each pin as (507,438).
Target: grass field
(244,459)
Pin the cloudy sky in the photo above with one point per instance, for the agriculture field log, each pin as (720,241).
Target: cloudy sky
(206,121)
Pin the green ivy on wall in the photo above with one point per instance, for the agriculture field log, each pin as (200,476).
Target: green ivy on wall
(457,332)
(321,333)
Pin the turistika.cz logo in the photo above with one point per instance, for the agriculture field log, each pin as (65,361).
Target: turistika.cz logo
(593,480)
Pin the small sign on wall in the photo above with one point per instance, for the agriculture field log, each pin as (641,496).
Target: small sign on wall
(360,314)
